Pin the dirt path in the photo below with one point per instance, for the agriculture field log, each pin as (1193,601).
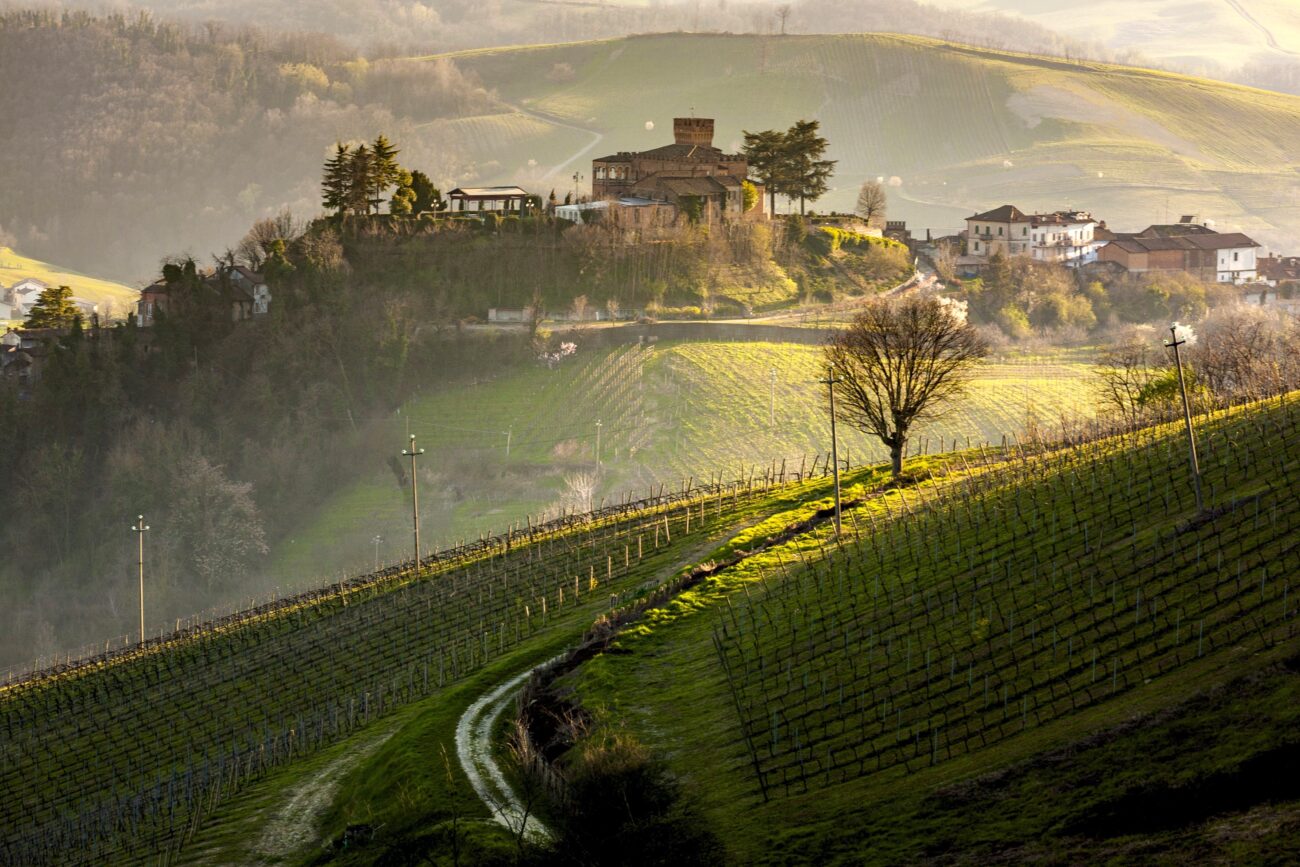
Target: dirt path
(474,751)
(293,826)
(1255,22)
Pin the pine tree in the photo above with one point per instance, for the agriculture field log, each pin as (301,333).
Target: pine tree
(807,175)
(334,187)
(551,202)
(54,308)
(767,156)
(384,171)
(360,180)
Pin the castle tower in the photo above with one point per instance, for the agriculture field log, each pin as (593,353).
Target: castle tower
(697,131)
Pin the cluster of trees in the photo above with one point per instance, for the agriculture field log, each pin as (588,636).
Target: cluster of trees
(1020,296)
(54,308)
(790,163)
(120,123)
(357,179)
(1236,353)
(225,436)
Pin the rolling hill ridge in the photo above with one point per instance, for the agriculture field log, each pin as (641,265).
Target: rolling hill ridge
(960,128)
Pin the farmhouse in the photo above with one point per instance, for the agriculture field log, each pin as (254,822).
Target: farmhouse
(487,200)
(1066,237)
(244,290)
(1185,246)
(1280,270)
(688,170)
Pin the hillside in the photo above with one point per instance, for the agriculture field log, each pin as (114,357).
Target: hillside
(962,128)
(114,299)
(669,411)
(990,657)
(262,737)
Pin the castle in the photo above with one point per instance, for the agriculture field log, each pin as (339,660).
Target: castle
(689,167)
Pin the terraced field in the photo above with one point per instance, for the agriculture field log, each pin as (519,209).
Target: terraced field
(962,128)
(668,412)
(962,627)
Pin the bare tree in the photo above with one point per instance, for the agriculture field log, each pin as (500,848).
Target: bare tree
(1126,369)
(612,308)
(579,308)
(256,245)
(872,203)
(580,491)
(898,362)
(783,15)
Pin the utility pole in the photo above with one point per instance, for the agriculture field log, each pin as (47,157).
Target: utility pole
(414,453)
(1187,413)
(771,412)
(830,381)
(378,540)
(140,528)
(509,436)
(599,425)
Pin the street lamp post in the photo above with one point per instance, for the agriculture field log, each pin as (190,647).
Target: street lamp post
(599,425)
(378,540)
(414,453)
(140,528)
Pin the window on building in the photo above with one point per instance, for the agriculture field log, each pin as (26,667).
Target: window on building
(977,246)
(999,230)
(1025,230)
(1234,255)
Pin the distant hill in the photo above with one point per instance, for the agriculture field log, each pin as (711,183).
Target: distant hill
(114,299)
(960,128)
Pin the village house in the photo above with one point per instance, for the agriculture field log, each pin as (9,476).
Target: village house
(487,200)
(1189,246)
(1065,237)
(1280,270)
(689,168)
(244,290)
(22,295)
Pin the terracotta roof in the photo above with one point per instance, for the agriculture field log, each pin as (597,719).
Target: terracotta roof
(1004,214)
(700,153)
(1213,241)
(1217,241)
(623,157)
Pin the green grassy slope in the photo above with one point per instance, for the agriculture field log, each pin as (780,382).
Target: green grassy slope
(114,299)
(669,412)
(839,707)
(121,757)
(963,128)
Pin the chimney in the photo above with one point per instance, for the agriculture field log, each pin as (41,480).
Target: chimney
(696,131)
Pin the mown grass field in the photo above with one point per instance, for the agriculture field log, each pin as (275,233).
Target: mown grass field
(668,412)
(934,685)
(114,299)
(963,128)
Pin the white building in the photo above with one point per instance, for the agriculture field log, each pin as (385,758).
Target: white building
(1067,237)
(23,294)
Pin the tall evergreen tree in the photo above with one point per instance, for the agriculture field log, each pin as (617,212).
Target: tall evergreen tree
(807,172)
(360,180)
(428,198)
(384,169)
(766,153)
(334,187)
(54,308)
(403,201)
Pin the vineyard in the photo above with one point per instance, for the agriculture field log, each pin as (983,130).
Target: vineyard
(120,758)
(962,619)
(668,412)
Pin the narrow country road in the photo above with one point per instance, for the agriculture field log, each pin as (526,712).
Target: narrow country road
(554,170)
(474,751)
(1255,22)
